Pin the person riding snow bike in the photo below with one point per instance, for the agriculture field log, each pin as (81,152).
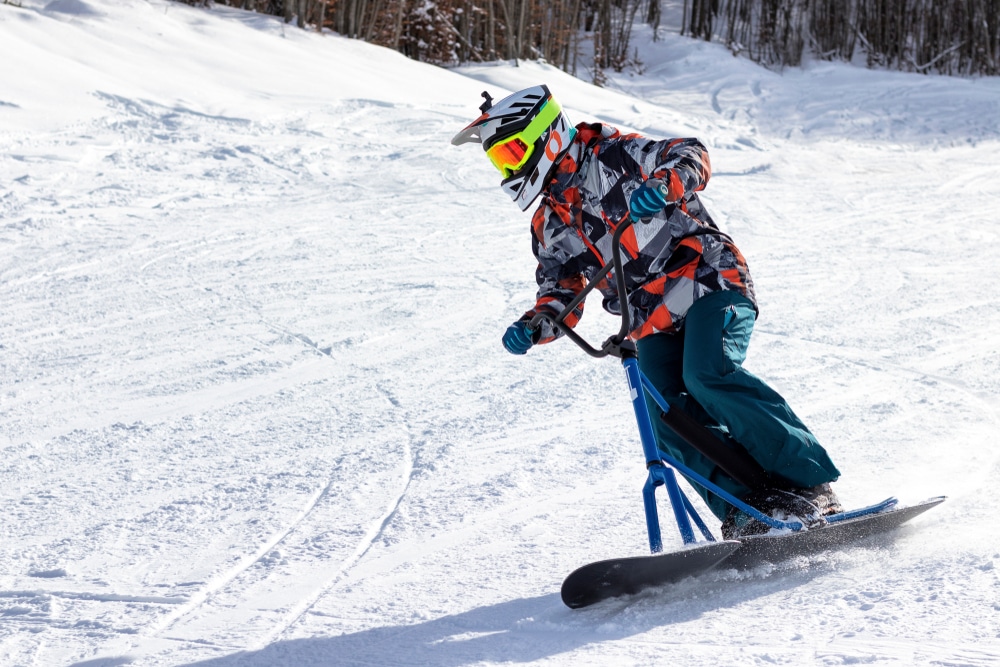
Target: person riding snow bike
(690,294)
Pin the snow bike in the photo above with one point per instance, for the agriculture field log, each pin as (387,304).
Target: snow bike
(620,576)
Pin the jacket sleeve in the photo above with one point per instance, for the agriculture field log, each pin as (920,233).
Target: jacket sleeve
(682,163)
(562,263)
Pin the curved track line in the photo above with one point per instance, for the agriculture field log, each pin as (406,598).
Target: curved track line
(246,563)
(378,527)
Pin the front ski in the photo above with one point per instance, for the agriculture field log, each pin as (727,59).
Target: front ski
(624,576)
(841,530)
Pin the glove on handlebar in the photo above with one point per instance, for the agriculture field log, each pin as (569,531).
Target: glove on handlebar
(648,199)
(519,337)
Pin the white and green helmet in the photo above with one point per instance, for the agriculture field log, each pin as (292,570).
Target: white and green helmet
(524,135)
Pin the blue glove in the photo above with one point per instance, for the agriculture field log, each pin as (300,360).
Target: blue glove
(519,337)
(648,199)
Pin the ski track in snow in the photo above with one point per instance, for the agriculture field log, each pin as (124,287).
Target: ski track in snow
(253,407)
(202,596)
(232,583)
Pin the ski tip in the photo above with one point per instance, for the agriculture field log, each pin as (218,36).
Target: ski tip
(605,579)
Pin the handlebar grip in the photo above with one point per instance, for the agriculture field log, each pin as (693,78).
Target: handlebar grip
(612,344)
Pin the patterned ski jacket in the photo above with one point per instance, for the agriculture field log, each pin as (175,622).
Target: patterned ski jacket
(669,261)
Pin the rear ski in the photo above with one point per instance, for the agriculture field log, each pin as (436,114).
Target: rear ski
(841,530)
(605,579)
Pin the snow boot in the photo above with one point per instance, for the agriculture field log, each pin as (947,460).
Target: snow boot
(823,497)
(808,506)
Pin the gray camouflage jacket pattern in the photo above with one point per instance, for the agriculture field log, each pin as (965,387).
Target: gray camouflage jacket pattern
(669,261)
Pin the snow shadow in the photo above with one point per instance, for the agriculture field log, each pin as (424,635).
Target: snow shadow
(520,631)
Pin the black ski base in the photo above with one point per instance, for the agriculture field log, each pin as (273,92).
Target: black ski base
(626,576)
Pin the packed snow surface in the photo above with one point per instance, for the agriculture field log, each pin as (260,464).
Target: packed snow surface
(253,404)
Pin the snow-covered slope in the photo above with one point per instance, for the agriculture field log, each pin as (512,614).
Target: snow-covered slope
(253,406)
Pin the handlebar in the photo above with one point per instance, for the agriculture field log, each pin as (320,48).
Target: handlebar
(617,345)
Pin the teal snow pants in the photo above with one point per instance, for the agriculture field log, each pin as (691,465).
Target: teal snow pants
(700,371)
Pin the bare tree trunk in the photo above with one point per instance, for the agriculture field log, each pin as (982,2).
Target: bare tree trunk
(372,22)
(521,27)
(322,16)
(508,10)
(491,30)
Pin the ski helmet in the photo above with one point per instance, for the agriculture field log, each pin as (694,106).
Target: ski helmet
(524,135)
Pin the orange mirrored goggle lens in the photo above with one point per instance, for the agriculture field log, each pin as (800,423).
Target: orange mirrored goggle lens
(508,155)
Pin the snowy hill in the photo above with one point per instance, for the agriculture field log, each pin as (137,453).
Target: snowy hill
(253,405)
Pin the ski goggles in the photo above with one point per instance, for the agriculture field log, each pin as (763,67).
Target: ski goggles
(512,153)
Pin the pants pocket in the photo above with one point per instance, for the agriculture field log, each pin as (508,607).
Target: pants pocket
(737,325)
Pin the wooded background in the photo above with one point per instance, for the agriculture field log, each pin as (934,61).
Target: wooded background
(948,36)
(960,37)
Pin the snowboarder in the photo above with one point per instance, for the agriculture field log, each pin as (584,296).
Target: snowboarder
(691,298)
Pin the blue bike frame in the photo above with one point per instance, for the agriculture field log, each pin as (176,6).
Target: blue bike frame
(661,467)
(661,472)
